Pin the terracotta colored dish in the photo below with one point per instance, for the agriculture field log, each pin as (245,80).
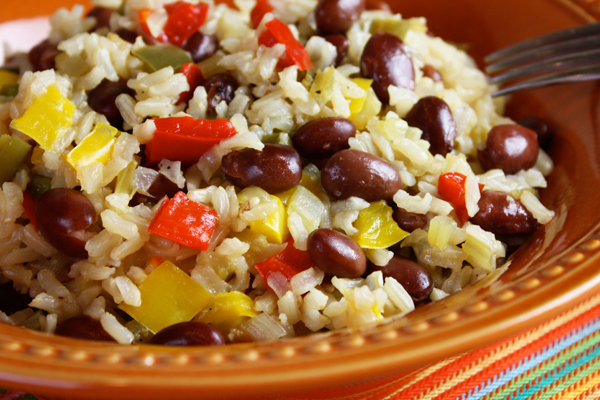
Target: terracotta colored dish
(556,268)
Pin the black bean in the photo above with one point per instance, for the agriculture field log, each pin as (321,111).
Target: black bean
(386,61)
(191,333)
(414,278)
(430,72)
(83,327)
(42,56)
(409,221)
(378,5)
(502,214)
(102,15)
(219,87)
(356,173)
(337,16)
(12,300)
(63,216)
(160,187)
(341,45)
(510,148)
(201,46)
(102,100)
(322,138)
(433,116)
(540,127)
(336,254)
(275,169)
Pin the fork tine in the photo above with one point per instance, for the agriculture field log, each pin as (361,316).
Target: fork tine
(555,37)
(583,74)
(549,51)
(562,63)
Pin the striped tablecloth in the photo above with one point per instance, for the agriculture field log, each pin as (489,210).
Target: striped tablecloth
(558,360)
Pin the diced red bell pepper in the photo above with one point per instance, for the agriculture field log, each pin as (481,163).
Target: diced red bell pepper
(185,139)
(184,20)
(29,201)
(451,187)
(258,12)
(288,263)
(295,53)
(194,76)
(185,222)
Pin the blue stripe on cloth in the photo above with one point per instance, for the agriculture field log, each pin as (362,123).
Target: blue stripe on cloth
(533,360)
(561,371)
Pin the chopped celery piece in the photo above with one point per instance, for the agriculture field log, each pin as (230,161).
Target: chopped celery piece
(307,206)
(227,311)
(125,180)
(210,66)
(8,92)
(38,185)
(322,87)
(13,152)
(169,296)
(376,227)
(482,248)
(159,57)
(440,231)
(48,118)
(95,147)
(398,27)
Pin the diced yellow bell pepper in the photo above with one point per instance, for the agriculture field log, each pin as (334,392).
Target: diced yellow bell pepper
(169,296)
(357,104)
(275,227)
(48,118)
(13,152)
(8,77)
(377,228)
(228,310)
(371,106)
(95,147)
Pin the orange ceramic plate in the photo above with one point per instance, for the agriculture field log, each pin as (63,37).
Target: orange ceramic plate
(556,268)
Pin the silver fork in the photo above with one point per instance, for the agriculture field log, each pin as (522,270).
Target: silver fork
(571,55)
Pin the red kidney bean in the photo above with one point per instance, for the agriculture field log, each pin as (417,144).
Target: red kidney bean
(336,254)
(322,138)
(433,116)
(160,187)
(356,173)
(12,300)
(219,87)
(540,127)
(275,169)
(500,213)
(83,327)
(191,333)
(409,221)
(102,100)
(386,61)
(102,15)
(510,148)
(63,217)
(414,278)
(42,56)
(127,35)
(341,45)
(201,46)
(430,72)
(378,5)
(337,16)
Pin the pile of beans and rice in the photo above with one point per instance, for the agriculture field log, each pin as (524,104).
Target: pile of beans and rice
(283,167)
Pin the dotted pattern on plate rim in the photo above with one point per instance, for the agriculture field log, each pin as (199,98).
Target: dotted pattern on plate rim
(320,344)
